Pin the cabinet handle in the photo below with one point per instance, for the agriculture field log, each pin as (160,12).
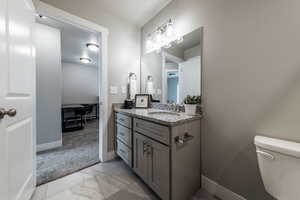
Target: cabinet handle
(149,149)
(121,133)
(180,140)
(145,147)
(188,137)
(122,119)
(122,151)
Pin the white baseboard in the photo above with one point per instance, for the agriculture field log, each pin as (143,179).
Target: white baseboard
(47,146)
(218,190)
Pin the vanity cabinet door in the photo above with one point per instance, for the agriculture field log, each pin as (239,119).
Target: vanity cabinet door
(140,156)
(159,169)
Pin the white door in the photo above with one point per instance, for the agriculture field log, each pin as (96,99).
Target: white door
(17,91)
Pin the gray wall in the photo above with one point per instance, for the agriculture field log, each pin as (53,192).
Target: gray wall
(79,84)
(48,64)
(251,81)
(123,46)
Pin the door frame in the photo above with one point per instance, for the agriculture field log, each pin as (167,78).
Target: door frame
(58,14)
(176,60)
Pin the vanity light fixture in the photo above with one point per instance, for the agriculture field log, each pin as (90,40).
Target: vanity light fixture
(163,36)
(92,46)
(169,29)
(85,60)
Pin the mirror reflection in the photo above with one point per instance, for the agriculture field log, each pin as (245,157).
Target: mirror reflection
(173,72)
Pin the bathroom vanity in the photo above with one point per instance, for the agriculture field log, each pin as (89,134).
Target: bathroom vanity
(163,149)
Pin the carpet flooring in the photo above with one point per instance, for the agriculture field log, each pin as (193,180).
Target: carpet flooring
(80,149)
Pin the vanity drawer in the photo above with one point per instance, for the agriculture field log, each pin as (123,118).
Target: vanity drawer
(158,132)
(124,152)
(124,120)
(124,134)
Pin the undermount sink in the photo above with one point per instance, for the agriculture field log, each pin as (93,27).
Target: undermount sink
(163,113)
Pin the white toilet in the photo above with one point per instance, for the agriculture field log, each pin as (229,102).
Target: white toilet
(279,164)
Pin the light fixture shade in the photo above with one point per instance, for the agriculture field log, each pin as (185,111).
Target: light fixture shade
(85,60)
(170,30)
(149,43)
(92,46)
(158,37)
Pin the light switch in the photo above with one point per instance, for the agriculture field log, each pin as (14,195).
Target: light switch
(113,90)
(123,89)
(158,91)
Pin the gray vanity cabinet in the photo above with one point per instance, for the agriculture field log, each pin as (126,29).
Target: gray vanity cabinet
(166,157)
(151,163)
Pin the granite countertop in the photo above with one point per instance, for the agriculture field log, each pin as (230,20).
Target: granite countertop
(169,120)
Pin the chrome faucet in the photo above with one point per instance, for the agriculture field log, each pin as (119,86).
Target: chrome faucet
(176,107)
(172,106)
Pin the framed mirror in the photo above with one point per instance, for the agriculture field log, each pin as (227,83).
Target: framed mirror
(174,71)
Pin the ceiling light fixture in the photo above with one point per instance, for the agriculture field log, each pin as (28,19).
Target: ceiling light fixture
(92,46)
(85,60)
(41,16)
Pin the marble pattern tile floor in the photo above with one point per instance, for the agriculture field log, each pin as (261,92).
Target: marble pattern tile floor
(105,181)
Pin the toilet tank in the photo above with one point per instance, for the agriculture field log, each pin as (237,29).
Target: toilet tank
(279,164)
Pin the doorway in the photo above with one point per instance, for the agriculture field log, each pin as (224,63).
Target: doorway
(170,78)
(89,121)
(67,98)
(172,86)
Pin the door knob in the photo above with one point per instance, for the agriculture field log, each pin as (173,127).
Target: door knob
(11,112)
